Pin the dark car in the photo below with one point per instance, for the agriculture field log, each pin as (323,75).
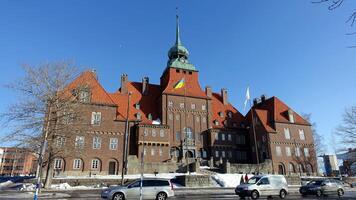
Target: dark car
(322,187)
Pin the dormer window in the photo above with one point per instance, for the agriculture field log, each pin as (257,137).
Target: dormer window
(149,116)
(138,116)
(291,116)
(221,114)
(137,106)
(84,96)
(229,114)
(216,122)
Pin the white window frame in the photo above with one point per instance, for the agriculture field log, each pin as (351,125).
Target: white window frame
(287,133)
(161,133)
(223,136)
(79,141)
(181,105)
(60,141)
(204,120)
(170,103)
(96,142)
(203,107)
(297,151)
(96,118)
(193,106)
(77,163)
(229,137)
(204,154)
(160,151)
(57,163)
(145,132)
(306,152)
(152,151)
(95,164)
(154,133)
(217,136)
(291,117)
(288,152)
(114,143)
(278,151)
(301,134)
(223,154)
(216,153)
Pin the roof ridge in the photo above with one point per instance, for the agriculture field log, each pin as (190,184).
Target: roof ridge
(96,80)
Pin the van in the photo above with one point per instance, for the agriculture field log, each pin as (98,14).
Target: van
(263,185)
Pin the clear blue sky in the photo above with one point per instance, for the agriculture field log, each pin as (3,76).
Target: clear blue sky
(291,49)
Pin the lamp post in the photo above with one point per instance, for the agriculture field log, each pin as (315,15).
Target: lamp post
(124,163)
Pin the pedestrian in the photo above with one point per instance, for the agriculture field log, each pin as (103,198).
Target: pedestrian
(246,178)
(242,179)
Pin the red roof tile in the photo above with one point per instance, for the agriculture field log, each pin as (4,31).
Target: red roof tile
(218,106)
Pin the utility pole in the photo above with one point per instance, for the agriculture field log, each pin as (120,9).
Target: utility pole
(124,163)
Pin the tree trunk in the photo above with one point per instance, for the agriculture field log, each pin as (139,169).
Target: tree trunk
(49,172)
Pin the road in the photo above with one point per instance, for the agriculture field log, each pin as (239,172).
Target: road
(94,195)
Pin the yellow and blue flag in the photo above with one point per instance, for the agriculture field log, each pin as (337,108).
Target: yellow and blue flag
(180,84)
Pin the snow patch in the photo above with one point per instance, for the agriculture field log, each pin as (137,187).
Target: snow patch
(229,180)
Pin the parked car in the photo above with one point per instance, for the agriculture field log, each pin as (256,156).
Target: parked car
(152,188)
(263,185)
(323,187)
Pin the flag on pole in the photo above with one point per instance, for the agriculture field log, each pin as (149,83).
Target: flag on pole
(247,97)
(180,84)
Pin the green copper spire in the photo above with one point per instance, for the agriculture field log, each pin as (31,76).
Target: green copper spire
(178,54)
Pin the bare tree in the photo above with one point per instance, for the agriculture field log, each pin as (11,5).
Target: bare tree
(45,110)
(334,4)
(318,141)
(347,130)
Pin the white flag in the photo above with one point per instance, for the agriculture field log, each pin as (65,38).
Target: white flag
(247,97)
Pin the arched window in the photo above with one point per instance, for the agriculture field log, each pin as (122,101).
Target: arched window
(77,164)
(189,133)
(291,168)
(309,169)
(95,164)
(281,169)
(300,168)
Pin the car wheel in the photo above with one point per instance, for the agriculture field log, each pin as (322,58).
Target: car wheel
(319,193)
(118,196)
(161,196)
(254,194)
(282,194)
(340,192)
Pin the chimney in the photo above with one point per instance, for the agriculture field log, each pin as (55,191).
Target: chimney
(94,73)
(224,96)
(124,81)
(208,91)
(255,101)
(145,84)
(263,98)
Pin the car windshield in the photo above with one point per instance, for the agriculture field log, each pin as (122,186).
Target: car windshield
(253,180)
(315,182)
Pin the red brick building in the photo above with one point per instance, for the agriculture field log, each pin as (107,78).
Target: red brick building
(171,124)
(17,161)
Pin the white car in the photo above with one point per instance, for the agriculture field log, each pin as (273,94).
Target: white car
(263,185)
(152,188)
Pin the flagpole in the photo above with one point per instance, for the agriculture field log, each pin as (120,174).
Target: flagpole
(254,136)
(185,124)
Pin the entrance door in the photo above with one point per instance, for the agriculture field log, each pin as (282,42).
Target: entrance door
(112,168)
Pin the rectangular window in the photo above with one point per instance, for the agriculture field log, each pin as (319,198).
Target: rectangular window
(216,136)
(301,134)
(223,136)
(306,152)
(291,117)
(193,106)
(178,136)
(229,137)
(223,154)
(203,107)
(204,154)
(170,103)
(152,151)
(286,133)
(288,152)
(240,139)
(160,151)
(243,155)
(95,164)
(58,163)
(297,152)
(216,153)
(77,163)
(113,143)
(278,151)
(84,96)
(181,105)
(230,154)
(60,141)
(95,118)
(79,141)
(144,151)
(96,142)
